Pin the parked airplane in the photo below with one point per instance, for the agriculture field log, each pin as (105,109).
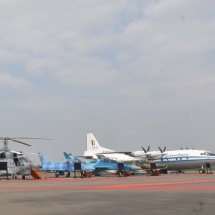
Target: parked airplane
(171,160)
(61,167)
(187,159)
(101,165)
(94,150)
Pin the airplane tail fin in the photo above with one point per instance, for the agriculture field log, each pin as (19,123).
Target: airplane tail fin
(43,159)
(71,158)
(92,143)
(93,146)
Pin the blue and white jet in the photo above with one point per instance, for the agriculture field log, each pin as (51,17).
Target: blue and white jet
(102,166)
(62,167)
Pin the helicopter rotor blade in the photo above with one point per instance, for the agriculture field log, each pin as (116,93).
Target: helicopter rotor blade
(20,142)
(4,138)
(14,139)
(30,138)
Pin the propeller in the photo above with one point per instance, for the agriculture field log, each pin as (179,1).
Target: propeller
(162,151)
(146,150)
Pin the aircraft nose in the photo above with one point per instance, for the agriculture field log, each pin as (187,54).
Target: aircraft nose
(135,167)
(29,166)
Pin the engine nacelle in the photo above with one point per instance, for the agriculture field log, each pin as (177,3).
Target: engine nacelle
(138,154)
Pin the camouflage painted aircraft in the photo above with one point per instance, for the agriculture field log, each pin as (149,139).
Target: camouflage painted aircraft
(102,166)
(62,167)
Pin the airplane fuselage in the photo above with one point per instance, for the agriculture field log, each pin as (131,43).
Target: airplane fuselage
(186,159)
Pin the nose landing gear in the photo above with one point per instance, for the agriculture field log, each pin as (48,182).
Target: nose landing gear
(207,169)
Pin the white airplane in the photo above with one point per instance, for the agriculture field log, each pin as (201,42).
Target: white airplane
(179,159)
(95,151)
(187,159)
(172,160)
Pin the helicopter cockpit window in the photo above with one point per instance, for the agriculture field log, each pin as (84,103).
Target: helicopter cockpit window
(28,159)
(23,160)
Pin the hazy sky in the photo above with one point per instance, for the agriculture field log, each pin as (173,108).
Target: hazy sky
(134,73)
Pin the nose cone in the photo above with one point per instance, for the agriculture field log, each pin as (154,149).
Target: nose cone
(29,166)
(135,167)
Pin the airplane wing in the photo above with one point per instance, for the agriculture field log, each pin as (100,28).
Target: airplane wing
(127,153)
(131,154)
(104,168)
(110,159)
(86,157)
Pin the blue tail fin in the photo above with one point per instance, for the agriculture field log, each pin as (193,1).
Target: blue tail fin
(43,159)
(71,158)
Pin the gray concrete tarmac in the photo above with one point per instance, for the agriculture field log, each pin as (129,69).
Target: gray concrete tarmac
(165,194)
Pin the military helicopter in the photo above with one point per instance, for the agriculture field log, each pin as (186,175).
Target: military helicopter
(16,163)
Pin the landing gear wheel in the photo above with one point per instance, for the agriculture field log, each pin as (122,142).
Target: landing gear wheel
(127,174)
(23,177)
(84,174)
(201,171)
(56,175)
(119,174)
(89,175)
(68,175)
